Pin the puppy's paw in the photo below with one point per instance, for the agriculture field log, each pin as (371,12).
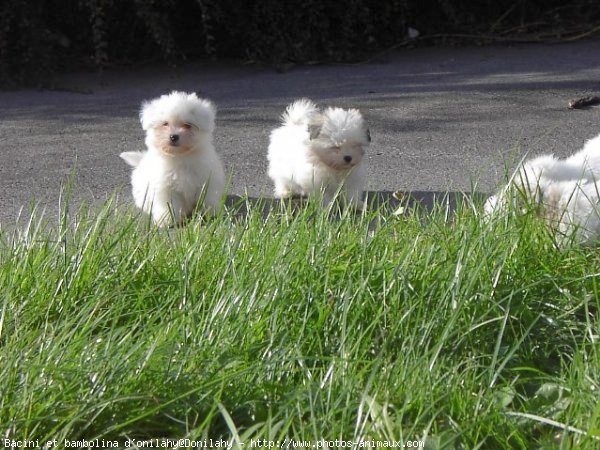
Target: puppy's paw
(283,192)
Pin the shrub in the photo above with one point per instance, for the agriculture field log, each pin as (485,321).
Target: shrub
(42,37)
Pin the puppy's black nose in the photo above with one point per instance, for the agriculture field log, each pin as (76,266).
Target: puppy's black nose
(347,158)
(174,138)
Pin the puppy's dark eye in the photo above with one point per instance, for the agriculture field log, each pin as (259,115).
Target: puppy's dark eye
(186,126)
(165,124)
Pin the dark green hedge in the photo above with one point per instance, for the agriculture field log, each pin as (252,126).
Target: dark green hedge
(42,37)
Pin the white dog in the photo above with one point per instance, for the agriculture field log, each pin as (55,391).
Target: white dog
(567,191)
(181,166)
(319,151)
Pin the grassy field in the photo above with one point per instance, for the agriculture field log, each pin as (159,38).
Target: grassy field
(304,325)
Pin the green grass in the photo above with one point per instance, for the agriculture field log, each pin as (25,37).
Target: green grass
(302,325)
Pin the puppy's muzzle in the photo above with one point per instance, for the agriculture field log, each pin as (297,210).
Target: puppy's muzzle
(174,138)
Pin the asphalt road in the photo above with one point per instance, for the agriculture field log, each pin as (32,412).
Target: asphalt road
(441,119)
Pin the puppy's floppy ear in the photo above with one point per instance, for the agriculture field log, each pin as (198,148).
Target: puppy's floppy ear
(148,113)
(201,112)
(368,135)
(314,130)
(132,158)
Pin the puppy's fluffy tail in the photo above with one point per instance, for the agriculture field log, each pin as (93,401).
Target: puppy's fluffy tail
(301,112)
(132,158)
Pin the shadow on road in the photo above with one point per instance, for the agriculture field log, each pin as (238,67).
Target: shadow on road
(376,200)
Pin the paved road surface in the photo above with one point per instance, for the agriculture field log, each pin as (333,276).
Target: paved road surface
(442,119)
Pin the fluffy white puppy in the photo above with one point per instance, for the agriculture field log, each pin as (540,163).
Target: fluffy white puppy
(318,151)
(180,166)
(583,165)
(565,191)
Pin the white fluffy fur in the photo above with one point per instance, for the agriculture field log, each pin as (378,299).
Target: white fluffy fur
(189,107)
(306,154)
(169,186)
(566,190)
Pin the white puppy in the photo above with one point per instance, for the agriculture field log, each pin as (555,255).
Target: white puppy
(566,191)
(319,151)
(181,166)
